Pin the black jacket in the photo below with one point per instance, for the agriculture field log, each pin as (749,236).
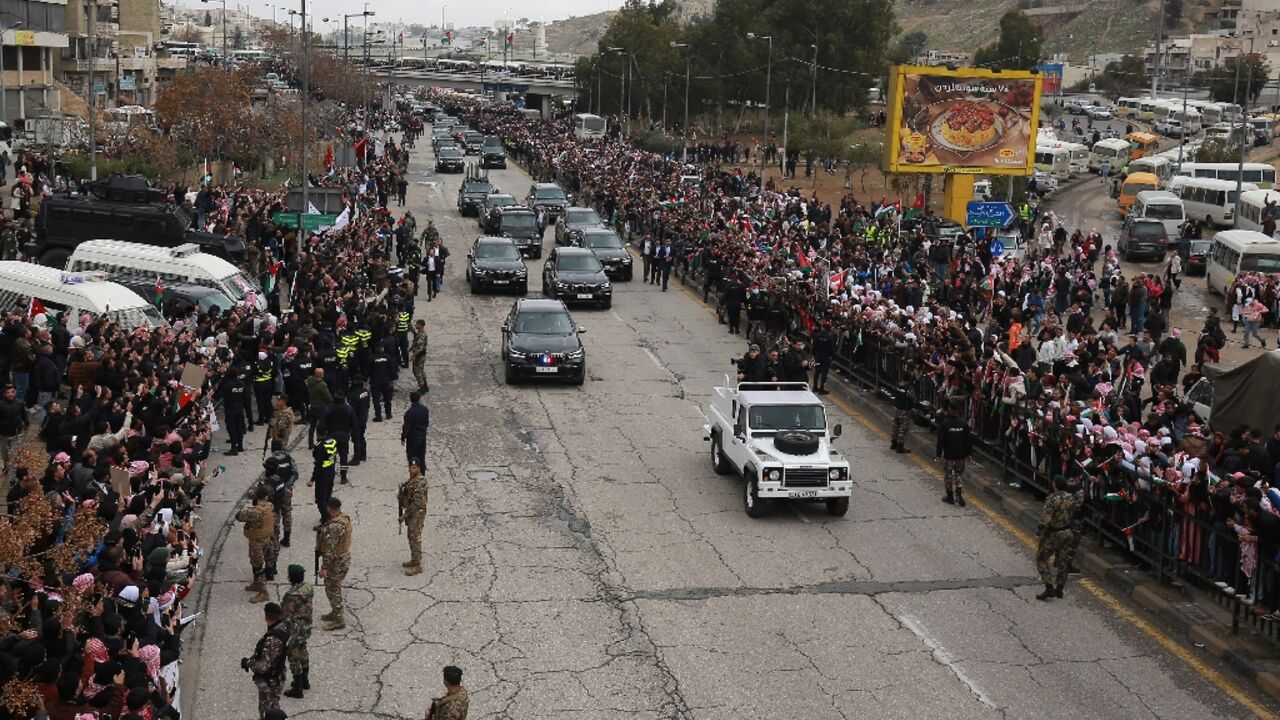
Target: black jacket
(45,375)
(416,421)
(955,442)
(13,417)
(338,418)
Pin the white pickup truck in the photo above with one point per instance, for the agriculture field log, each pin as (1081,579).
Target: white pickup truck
(775,436)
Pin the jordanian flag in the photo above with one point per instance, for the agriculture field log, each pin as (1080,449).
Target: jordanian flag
(273,276)
(511,40)
(447,38)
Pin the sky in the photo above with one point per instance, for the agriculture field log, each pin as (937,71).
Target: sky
(462,13)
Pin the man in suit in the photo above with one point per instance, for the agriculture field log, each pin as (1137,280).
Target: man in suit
(663,259)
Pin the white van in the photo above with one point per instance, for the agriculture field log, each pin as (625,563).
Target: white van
(1055,162)
(1160,205)
(1161,167)
(1113,151)
(181,263)
(75,293)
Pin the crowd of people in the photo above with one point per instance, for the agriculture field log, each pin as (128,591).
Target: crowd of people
(106,435)
(1077,363)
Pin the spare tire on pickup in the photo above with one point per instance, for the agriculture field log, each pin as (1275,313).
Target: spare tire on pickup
(796,442)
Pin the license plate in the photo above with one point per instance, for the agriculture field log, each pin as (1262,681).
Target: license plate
(805,494)
(585,296)
(501,282)
(547,369)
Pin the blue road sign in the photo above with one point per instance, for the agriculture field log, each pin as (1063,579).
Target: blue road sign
(997,248)
(989,214)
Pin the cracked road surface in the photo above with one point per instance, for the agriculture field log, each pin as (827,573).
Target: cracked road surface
(583,561)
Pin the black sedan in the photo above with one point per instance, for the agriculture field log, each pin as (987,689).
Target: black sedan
(575,275)
(495,263)
(449,159)
(540,340)
(608,249)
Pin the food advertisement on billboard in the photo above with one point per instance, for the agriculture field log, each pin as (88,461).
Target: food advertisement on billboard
(967,120)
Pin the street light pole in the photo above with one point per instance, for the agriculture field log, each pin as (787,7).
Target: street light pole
(305,97)
(814,106)
(768,79)
(684,128)
(91,21)
(1248,88)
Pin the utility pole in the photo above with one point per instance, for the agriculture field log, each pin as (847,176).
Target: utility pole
(1248,89)
(768,79)
(1155,74)
(305,97)
(1182,137)
(92,19)
(814,106)
(786,120)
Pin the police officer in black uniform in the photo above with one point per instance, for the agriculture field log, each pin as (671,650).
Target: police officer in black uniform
(359,399)
(301,367)
(264,383)
(413,432)
(233,391)
(385,371)
(338,420)
(403,318)
(824,349)
(734,296)
(757,310)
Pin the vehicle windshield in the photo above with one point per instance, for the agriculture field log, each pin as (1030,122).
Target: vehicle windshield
(141,316)
(1147,229)
(478,187)
(493,145)
(1199,247)
(450,152)
(500,200)
(579,263)
(497,251)
(519,221)
(1164,212)
(1135,188)
(238,286)
(600,241)
(1260,263)
(582,217)
(183,219)
(549,194)
(543,323)
(787,417)
(211,300)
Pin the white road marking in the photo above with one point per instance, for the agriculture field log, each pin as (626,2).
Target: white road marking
(615,315)
(795,508)
(943,658)
(653,357)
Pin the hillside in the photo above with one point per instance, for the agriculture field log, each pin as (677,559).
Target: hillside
(1073,27)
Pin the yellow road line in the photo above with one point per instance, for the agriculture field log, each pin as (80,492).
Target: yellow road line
(1157,635)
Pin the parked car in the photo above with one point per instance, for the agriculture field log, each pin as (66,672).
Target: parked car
(1098,112)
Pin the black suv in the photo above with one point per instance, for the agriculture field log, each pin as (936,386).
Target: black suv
(495,263)
(575,275)
(548,197)
(493,155)
(572,222)
(449,159)
(521,225)
(1143,237)
(540,339)
(471,195)
(473,142)
(491,211)
(608,249)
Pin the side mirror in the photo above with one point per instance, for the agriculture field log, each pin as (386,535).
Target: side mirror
(470,257)
(836,431)
(581,329)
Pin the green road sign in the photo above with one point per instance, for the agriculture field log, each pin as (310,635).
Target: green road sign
(310,223)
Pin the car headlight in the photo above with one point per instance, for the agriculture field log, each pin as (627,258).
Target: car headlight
(774,475)
(837,473)
(516,355)
(480,271)
(575,354)
(521,272)
(561,284)
(626,260)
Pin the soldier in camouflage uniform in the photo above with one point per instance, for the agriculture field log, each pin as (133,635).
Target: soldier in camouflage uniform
(456,701)
(280,475)
(268,661)
(281,426)
(259,525)
(418,351)
(1057,538)
(333,546)
(413,513)
(902,404)
(298,605)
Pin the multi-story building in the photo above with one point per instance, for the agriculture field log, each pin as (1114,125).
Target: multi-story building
(31,31)
(124,57)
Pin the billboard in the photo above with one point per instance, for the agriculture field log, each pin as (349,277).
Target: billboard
(1052,73)
(968,120)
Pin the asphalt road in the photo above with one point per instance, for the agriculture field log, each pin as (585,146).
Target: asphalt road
(583,560)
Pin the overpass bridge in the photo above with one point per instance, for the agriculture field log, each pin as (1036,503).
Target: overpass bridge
(536,91)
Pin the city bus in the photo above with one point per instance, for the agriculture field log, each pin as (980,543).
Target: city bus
(1237,251)
(1142,144)
(1213,201)
(1251,207)
(1055,161)
(586,125)
(1113,151)
(1260,174)
(176,49)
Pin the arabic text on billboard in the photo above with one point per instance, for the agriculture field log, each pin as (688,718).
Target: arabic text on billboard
(962,121)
